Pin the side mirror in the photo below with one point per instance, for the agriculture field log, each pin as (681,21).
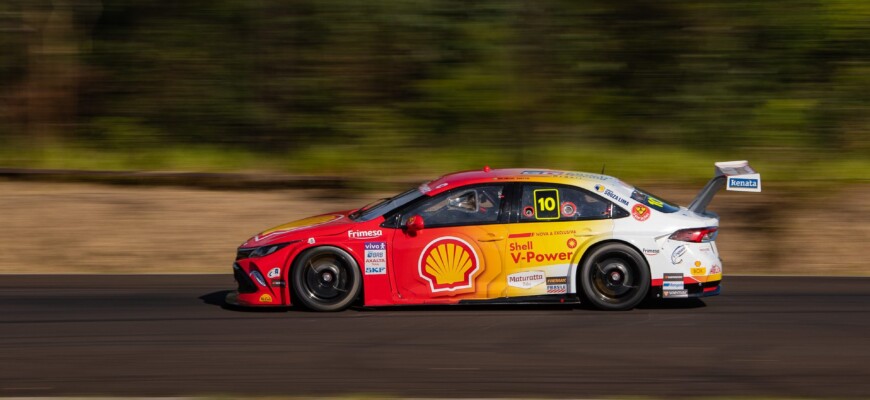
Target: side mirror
(414,224)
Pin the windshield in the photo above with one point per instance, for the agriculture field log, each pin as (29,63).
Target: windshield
(654,202)
(383,206)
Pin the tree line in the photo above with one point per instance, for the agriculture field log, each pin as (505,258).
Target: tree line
(278,76)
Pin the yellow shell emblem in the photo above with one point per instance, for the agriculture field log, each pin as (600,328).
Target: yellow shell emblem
(448,264)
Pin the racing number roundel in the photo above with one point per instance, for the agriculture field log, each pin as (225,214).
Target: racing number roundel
(448,264)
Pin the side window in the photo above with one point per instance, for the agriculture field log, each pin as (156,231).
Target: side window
(561,203)
(464,206)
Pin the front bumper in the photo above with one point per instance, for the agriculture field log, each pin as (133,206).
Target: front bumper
(251,293)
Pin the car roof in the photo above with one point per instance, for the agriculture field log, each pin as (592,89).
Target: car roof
(486,175)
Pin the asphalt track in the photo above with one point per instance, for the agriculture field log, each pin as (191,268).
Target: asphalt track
(170,336)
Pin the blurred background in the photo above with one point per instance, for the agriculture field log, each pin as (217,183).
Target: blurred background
(405,90)
(325,85)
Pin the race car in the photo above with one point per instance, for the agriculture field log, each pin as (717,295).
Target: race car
(495,236)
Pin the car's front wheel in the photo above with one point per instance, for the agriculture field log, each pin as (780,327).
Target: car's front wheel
(615,277)
(326,279)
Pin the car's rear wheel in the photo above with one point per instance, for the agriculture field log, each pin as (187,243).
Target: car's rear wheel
(615,277)
(326,279)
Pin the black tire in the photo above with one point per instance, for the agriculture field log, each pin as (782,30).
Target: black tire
(326,279)
(614,277)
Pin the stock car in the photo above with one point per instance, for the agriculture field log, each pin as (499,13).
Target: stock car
(495,236)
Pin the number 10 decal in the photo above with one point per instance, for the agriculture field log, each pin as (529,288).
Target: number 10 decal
(546,204)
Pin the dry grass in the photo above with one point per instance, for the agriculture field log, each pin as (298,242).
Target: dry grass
(89,228)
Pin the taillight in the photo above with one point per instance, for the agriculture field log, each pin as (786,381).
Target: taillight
(695,235)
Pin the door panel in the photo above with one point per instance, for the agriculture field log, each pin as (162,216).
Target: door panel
(445,265)
(458,253)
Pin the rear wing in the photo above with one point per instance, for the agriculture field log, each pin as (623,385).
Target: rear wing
(733,175)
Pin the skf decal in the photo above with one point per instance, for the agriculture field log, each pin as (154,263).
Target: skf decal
(448,264)
(265,298)
(526,252)
(640,212)
(526,279)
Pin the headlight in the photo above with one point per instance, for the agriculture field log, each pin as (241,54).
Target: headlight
(261,251)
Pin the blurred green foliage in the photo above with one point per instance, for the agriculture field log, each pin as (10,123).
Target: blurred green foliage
(406,87)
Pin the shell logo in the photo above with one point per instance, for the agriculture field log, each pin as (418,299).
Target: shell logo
(448,264)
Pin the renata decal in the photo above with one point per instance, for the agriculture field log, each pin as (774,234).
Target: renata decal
(651,252)
(448,264)
(526,279)
(375,260)
(375,233)
(526,252)
(640,212)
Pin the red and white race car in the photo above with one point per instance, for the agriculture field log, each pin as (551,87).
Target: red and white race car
(495,236)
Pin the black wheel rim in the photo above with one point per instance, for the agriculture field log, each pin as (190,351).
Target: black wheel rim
(615,279)
(327,278)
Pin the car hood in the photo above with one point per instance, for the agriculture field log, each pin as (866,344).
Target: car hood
(320,225)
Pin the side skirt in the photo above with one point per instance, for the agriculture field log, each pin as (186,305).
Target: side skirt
(540,299)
